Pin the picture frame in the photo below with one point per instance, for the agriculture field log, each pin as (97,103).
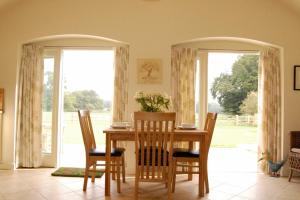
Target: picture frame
(149,71)
(297,77)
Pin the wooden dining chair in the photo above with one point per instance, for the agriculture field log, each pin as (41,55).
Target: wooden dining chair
(154,134)
(93,155)
(185,159)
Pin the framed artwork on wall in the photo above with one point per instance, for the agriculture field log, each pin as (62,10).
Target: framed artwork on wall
(297,77)
(149,71)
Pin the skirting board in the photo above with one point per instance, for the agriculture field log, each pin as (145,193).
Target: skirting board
(6,166)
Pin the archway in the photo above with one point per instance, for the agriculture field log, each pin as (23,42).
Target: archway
(205,47)
(88,51)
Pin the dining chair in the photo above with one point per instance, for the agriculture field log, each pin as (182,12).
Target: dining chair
(154,134)
(186,159)
(93,154)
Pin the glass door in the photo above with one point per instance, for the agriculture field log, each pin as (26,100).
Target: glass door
(50,116)
(74,79)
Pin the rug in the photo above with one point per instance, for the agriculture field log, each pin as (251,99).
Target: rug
(73,172)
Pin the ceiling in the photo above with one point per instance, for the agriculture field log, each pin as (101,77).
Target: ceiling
(292,4)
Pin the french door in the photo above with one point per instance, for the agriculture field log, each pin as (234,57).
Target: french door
(51,107)
(74,79)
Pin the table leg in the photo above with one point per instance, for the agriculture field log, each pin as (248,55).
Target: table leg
(107,165)
(202,165)
(114,143)
(190,169)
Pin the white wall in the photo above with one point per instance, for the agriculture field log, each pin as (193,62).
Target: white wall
(151,28)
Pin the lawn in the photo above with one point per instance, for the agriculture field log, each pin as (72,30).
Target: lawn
(226,133)
(231,135)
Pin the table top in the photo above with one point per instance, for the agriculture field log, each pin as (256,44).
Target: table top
(176,131)
(128,134)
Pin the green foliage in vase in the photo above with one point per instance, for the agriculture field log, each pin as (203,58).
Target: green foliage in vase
(152,102)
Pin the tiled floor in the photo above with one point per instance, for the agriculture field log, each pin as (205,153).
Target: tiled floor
(38,184)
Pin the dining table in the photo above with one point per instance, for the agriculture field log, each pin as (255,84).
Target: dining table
(113,135)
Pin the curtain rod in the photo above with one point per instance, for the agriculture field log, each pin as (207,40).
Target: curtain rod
(230,50)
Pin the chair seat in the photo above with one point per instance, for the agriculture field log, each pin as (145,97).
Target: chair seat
(100,152)
(185,153)
(156,157)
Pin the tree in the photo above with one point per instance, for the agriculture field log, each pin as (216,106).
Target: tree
(84,99)
(231,89)
(48,92)
(249,105)
(69,102)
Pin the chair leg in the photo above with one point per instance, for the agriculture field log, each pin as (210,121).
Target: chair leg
(170,173)
(136,188)
(113,174)
(86,175)
(167,178)
(118,175)
(199,181)
(190,170)
(94,173)
(174,175)
(123,169)
(291,174)
(206,182)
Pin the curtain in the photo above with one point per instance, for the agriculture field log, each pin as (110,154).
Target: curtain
(29,107)
(121,83)
(183,62)
(269,104)
(120,101)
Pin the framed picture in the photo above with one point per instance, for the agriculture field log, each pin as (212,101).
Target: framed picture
(297,77)
(149,70)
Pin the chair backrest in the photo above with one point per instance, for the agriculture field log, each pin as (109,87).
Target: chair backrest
(209,126)
(86,130)
(295,139)
(154,134)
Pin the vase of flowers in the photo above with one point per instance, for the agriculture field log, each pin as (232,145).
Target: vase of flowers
(152,102)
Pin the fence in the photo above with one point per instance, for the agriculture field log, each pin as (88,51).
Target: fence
(238,120)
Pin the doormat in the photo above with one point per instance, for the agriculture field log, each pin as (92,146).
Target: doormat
(73,172)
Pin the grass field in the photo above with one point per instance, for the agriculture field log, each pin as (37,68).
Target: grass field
(232,136)
(226,133)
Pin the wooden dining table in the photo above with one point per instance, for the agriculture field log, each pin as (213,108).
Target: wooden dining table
(180,135)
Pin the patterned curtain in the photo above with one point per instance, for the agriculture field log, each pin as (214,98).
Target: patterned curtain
(29,107)
(183,63)
(121,83)
(269,89)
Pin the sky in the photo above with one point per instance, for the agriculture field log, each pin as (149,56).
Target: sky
(89,70)
(93,70)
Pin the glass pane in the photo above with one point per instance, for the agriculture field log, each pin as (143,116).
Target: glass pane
(47,105)
(197,92)
(88,84)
